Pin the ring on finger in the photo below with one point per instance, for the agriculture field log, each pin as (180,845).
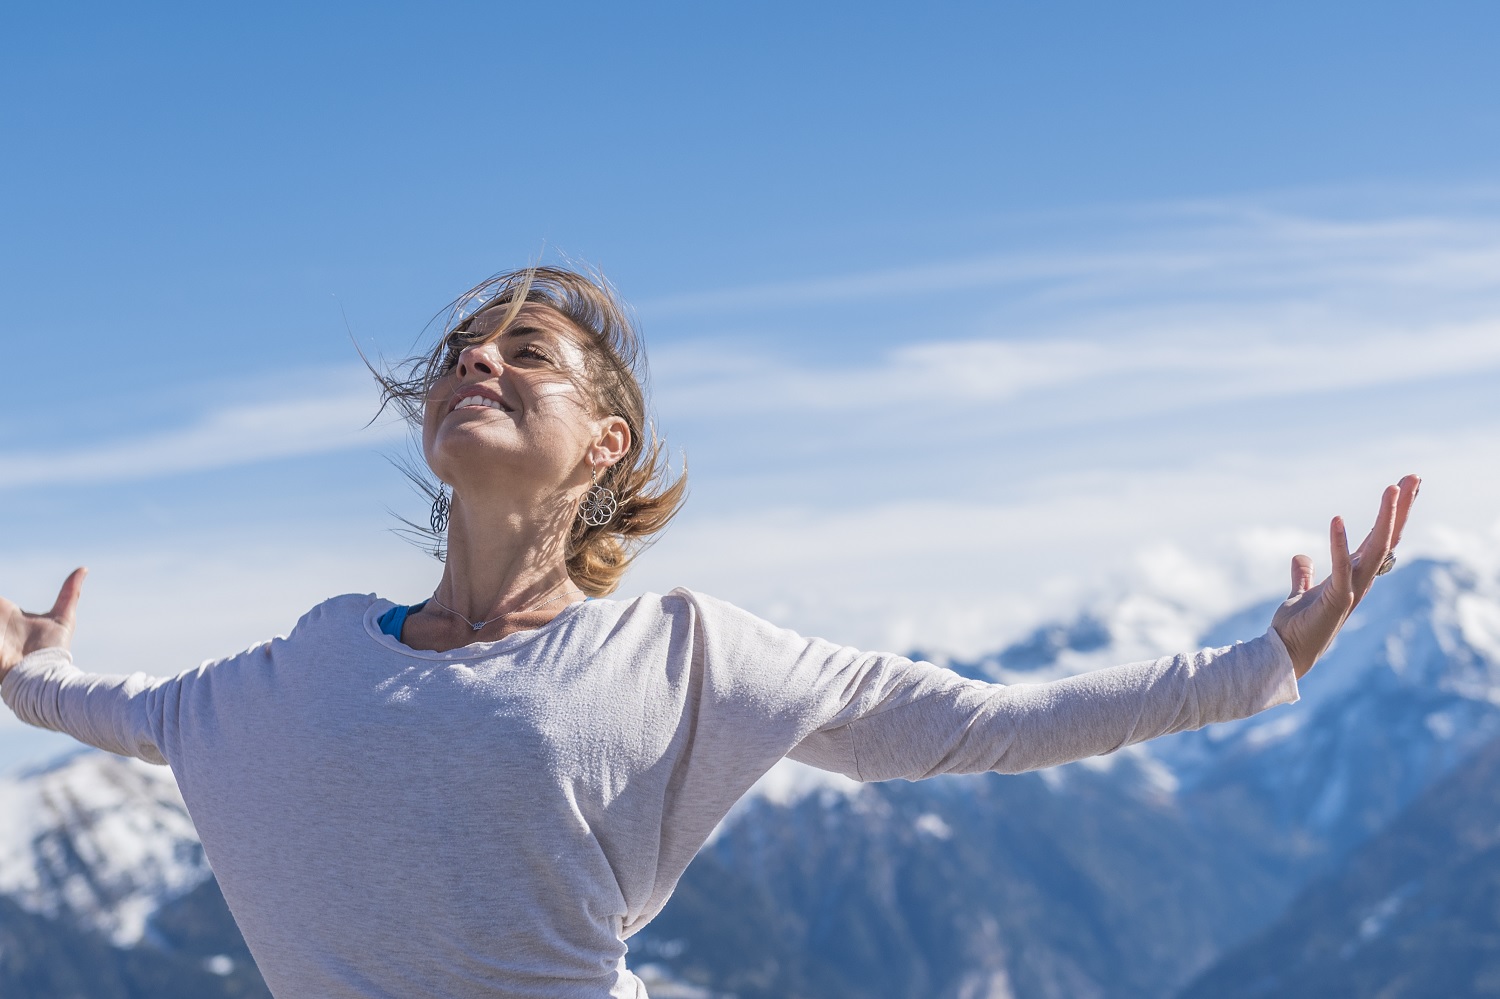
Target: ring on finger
(1386,564)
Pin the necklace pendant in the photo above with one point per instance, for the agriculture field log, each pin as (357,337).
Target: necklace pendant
(479,626)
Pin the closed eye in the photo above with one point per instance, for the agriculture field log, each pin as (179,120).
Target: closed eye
(458,340)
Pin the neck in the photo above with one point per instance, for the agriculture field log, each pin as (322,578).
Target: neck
(506,561)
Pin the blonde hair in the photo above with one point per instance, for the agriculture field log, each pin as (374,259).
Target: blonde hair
(615,367)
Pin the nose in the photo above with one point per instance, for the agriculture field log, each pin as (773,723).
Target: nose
(479,357)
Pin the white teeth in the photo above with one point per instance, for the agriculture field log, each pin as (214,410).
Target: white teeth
(477,400)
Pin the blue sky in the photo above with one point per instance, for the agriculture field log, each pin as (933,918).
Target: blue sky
(962,313)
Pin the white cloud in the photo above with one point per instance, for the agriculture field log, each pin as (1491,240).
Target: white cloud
(162,609)
(332,418)
(982,539)
(1192,307)
(1227,247)
(1234,360)
(1223,301)
(968,576)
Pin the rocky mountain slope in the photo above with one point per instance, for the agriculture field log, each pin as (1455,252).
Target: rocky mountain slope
(104,890)
(1414,913)
(1117,878)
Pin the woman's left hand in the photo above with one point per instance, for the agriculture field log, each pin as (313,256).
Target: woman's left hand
(1313,615)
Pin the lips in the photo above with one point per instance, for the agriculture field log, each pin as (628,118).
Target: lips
(477,396)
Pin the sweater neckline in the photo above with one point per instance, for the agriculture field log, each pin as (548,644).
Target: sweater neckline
(476,650)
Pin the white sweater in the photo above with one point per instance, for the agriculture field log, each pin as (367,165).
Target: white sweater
(496,820)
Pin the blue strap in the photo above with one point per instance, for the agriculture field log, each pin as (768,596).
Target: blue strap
(393,620)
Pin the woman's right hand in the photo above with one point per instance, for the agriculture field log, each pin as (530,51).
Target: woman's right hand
(22,634)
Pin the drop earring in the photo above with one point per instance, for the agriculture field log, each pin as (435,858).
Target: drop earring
(599,503)
(438,519)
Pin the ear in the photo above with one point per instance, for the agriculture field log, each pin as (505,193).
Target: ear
(610,442)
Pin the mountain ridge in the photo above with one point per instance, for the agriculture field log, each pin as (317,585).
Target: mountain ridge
(1123,877)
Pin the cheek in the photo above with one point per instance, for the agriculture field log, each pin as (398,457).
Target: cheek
(561,400)
(558,395)
(431,417)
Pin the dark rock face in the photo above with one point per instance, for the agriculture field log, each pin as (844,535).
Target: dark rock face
(1414,913)
(44,957)
(1107,883)
(194,953)
(986,886)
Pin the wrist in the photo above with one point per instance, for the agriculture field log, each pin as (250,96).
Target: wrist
(1302,663)
(54,638)
(58,650)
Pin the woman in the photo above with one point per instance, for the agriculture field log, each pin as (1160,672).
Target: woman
(487,793)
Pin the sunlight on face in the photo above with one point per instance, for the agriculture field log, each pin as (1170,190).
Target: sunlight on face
(513,399)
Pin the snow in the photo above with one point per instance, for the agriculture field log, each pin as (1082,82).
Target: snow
(99,840)
(788,782)
(663,984)
(932,824)
(1277,727)
(219,964)
(1479,623)
(1377,918)
(105,841)
(1441,724)
(784,785)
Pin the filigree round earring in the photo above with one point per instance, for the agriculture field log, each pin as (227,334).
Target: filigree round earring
(599,503)
(438,519)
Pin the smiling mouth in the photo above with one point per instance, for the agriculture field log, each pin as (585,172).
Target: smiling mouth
(472,401)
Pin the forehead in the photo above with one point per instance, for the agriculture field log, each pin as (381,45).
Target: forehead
(533,317)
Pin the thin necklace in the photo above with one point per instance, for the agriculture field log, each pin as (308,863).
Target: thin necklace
(479,625)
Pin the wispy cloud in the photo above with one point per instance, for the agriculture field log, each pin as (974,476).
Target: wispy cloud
(948,525)
(1227,247)
(237,434)
(1235,359)
(1187,308)
(1174,310)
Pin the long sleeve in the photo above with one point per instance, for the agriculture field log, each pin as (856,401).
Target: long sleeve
(916,720)
(119,714)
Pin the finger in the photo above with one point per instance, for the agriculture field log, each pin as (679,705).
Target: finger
(1409,487)
(1302,574)
(1377,543)
(67,598)
(1342,578)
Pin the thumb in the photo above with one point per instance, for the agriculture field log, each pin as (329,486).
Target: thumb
(67,598)
(1302,574)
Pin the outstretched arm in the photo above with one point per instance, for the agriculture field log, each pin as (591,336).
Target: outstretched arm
(915,720)
(22,634)
(113,713)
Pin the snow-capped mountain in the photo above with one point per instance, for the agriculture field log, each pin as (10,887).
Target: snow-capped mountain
(1118,878)
(1411,689)
(1242,816)
(1414,913)
(99,841)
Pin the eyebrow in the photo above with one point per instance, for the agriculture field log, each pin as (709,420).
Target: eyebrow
(518,329)
(523,329)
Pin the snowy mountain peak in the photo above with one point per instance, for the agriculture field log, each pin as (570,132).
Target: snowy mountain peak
(1410,688)
(98,840)
(1432,626)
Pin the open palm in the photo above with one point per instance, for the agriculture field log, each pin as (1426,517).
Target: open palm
(1310,618)
(22,633)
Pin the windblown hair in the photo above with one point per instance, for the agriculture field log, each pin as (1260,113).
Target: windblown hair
(615,367)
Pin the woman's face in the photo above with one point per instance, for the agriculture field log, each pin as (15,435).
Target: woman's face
(512,412)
